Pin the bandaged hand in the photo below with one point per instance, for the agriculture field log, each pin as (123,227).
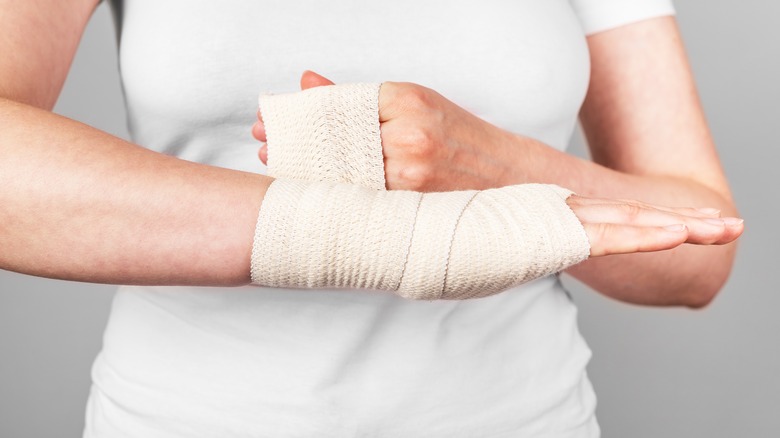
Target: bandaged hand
(424,138)
(428,246)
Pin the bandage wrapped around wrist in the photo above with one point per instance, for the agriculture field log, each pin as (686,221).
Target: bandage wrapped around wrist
(330,234)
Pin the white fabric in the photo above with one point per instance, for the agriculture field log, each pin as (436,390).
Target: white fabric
(426,246)
(255,362)
(600,15)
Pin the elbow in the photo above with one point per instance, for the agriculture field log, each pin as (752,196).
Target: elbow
(700,297)
(703,290)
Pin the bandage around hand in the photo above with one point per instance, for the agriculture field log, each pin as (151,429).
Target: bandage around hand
(326,134)
(451,245)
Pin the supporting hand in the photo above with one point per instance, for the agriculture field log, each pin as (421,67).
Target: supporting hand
(429,143)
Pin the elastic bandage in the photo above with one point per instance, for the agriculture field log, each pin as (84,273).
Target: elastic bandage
(449,245)
(325,134)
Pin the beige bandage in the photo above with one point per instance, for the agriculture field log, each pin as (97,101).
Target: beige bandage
(451,245)
(325,134)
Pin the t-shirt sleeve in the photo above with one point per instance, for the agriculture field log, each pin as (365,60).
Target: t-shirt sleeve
(598,15)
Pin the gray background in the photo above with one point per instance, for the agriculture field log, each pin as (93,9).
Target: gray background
(657,372)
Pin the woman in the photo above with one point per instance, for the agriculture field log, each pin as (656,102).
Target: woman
(189,361)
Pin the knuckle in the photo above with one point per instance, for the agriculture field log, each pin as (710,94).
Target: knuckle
(603,232)
(599,240)
(414,177)
(421,140)
(416,97)
(631,212)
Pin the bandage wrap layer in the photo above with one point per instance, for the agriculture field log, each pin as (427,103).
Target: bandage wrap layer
(451,245)
(325,134)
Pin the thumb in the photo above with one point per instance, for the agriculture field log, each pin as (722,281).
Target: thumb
(309,79)
(262,154)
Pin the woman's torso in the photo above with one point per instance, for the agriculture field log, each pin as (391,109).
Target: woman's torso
(253,361)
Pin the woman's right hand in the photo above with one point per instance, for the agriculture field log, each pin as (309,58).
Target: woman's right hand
(622,226)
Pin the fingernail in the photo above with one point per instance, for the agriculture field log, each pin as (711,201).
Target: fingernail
(677,227)
(709,211)
(718,222)
(733,221)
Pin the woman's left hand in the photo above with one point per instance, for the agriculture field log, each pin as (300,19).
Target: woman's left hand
(429,143)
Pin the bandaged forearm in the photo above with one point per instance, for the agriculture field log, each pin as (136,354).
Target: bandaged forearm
(452,245)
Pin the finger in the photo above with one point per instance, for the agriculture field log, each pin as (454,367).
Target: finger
(688,211)
(704,224)
(258,131)
(391,100)
(609,239)
(734,228)
(309,79)
(262,154)
(731,229)
(701,230)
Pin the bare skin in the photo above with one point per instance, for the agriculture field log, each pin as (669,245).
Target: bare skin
(649,141)
(79,204)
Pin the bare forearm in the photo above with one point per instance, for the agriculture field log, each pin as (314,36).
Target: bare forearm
(688,275)
(79,204)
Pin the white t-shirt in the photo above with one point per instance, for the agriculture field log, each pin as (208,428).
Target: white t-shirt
(261,362)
